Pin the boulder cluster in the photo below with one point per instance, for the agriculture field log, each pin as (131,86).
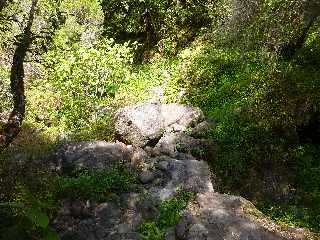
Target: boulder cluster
(166,146)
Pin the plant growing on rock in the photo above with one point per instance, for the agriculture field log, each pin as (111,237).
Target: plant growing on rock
(170,214)
(95,184)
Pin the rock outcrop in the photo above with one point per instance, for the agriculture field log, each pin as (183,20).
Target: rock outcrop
(145,124)
(96,154)
(164,167)
(220,217)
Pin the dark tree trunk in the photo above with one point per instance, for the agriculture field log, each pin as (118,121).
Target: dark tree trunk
(290,49)
(311,14)
(13,126)
(149,28)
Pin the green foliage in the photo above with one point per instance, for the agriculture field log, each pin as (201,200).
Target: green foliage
(151,231)
(69,92)
(144,78)
(4,86)
(8,28)
(171,210)
(170,213)
(26,196)
(95,185)
(150,21)
(86,79)
(26,220)
(37,217)
(263,103)
(292,215)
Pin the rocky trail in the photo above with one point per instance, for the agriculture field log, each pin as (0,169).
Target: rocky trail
(165,145)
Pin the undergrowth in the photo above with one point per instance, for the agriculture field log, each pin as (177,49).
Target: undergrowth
(30,193)
(170,212)
(292,214)
(95,185)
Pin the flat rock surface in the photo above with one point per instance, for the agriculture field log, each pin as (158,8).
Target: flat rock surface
(96,154)
(220,217)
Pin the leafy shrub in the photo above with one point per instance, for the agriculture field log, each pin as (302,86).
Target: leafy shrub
(25,222)
(87,79)
(151,231)
(26,201)
(73,92)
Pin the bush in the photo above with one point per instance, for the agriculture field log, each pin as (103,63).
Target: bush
(26,199)
(25,222)
(86,80)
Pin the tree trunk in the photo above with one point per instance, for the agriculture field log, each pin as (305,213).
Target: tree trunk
(290,49)
(149,28)
(311,14)
(13,126)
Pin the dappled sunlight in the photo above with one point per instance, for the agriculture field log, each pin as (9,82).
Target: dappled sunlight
(132,116)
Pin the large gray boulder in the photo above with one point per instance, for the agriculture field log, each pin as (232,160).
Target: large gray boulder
(191,175)
(175,143)
(90,155)
(144,124)
(178,117)
(222,217)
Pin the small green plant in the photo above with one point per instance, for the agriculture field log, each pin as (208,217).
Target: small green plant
(24,221)
(150,231)
(95,185)
(199,152)
(170,214)
(188,130)
(180,148)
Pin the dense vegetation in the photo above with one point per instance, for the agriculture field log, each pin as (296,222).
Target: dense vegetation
(252,66)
